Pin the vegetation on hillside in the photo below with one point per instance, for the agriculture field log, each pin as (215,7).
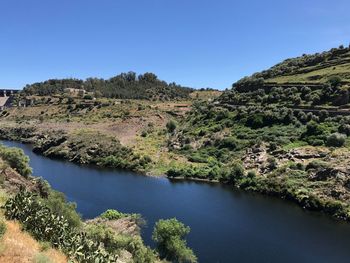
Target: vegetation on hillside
(123,86)
(47,216)
(315,68)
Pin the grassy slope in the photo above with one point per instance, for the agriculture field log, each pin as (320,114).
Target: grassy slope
(318,73)
(322,75)
(137,124)
(17,245)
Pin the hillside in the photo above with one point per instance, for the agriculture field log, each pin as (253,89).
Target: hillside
(315,68)
(310,82)
(288,139)
(123,86)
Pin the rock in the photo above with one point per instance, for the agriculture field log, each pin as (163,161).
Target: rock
(324,174)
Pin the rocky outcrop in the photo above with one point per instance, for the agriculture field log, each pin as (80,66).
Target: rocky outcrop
(324,174)
(124,226)
(13,182)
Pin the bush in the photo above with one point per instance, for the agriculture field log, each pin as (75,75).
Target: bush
(16,159)
(272,163)
(112,214)
(336,140)
(230,143)
(345,129)
(234,174)
(44,225)
(113,241)
(56,202)
(171,245)
(87,97)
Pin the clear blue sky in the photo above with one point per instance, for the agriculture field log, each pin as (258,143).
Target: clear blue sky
(198,43)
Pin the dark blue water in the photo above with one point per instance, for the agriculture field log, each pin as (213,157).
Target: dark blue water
(226,225)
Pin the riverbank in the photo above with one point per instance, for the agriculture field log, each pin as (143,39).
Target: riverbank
(239,217)
(86,147)
(51,222)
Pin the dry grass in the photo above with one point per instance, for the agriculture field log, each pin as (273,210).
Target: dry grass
(19,247)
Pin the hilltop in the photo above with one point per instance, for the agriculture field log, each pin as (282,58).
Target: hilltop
(310,69)
(318,81)
(123,86)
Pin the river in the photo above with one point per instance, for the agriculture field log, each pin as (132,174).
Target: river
(226,225)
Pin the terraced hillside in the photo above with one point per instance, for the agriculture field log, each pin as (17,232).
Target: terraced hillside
(316,68)
(307,83)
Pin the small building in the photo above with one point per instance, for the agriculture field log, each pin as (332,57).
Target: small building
(25,102)
(75,92)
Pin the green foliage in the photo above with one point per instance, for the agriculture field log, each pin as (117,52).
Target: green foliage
(334,81)
(123,86)
(112,214)
(94,148)
(248,84)
(230,143)
(302,64)
(169,236)
(47,226)
(236,172)
(57,203)
(336,140)
(16,159)
(114,242)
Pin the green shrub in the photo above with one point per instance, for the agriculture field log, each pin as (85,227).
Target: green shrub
(336,140)
(87,97)
(230,143)
(113,242)
(16,159)
(112,214)
(272,163)
(344,129)
(171,245)
(46,226)
(57,203)
(235,173)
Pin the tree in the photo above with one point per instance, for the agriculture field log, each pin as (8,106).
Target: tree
(169,235)
(236,172)
(16,159)
(336,140)
(334,81)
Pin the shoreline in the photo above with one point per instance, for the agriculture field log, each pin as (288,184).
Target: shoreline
(284,196)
